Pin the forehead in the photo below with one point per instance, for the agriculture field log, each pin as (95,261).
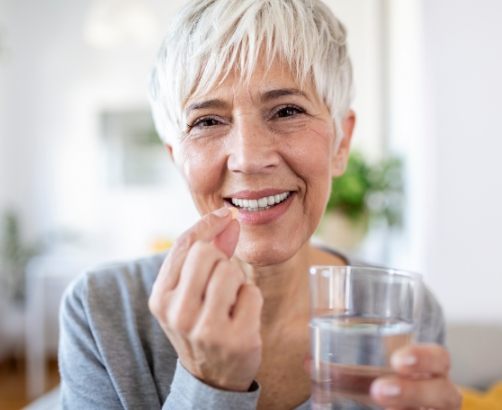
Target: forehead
(265,78)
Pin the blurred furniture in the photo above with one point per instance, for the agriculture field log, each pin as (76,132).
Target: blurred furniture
(489,400)
(11,328)
(49,401)
(47,278)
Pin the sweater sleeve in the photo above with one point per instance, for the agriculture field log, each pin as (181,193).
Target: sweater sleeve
(189,393)
(85,383)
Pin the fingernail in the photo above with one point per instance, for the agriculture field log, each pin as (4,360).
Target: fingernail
(222,212)
(400,360)
(387,389)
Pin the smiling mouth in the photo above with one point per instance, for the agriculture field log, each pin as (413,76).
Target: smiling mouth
(259,204)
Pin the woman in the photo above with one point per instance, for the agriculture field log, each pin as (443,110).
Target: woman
(251,98)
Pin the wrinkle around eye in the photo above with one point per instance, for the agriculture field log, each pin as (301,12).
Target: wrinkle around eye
(198,132)
(290,125)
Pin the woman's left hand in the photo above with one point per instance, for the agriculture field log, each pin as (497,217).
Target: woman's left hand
(420,381)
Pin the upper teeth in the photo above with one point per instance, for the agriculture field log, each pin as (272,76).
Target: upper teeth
(264,202)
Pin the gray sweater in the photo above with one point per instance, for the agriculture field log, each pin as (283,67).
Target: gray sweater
(113,354)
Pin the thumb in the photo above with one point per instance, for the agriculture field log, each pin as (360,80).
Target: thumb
(227,240)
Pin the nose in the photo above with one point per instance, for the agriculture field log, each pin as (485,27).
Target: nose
(252,147)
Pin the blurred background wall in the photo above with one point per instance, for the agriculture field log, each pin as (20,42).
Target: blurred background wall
(463,67)
(80,166)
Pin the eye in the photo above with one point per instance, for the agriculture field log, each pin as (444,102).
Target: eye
(204,122)
(288,111)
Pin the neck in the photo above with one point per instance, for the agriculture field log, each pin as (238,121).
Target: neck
(285,286)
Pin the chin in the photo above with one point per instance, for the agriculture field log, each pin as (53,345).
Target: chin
(265,253)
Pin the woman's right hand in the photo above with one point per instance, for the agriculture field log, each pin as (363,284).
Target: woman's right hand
(205,307)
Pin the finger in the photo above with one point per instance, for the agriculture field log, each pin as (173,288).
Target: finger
(227,240)
(206,229)
(222,290)
(187,302)
(247,317)
(248,305)
(421,359)
(398,392)
(201,260)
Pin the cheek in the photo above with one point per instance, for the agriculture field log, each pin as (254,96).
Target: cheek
(202,170)
(314,162)
(314,165)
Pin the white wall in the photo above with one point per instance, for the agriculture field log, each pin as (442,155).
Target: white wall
(3,171)
(4,58)
(463,58)
(364,22)
(55,85)
(445,60)
(408,126)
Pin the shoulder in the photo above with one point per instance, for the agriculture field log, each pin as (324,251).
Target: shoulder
(136,276)
(113,290)
(109,304)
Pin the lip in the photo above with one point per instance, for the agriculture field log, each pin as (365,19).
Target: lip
(247,194)
(267,215)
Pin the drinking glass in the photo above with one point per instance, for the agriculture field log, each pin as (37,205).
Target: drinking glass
(359,317)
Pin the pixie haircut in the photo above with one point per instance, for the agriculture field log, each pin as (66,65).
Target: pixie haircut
(208,39)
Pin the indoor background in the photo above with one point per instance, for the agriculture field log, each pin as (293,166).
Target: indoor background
(84,179)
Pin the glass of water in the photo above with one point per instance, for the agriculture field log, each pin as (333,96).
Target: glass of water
(359,317)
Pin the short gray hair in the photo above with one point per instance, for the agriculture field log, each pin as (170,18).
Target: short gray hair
(210,38)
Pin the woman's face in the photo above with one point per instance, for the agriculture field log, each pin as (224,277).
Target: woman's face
(265,147)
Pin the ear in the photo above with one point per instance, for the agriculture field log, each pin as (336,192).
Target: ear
(169,149)
(341,152)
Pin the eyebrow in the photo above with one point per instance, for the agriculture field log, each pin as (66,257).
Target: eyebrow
(281,92)
(214,103)
(266,96)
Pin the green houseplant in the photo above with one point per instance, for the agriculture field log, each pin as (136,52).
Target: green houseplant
(16,253)
(367,193)
(14,256)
